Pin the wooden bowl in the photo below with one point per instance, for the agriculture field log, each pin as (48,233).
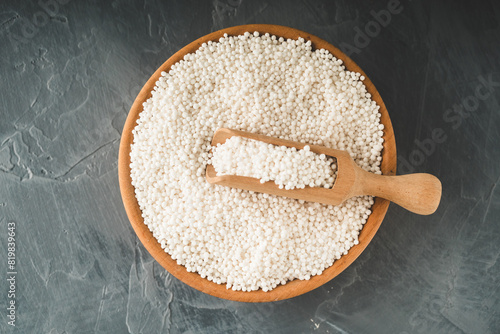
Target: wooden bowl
(292,288)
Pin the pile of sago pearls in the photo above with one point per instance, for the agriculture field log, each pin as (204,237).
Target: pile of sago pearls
(288,167)
(266,85)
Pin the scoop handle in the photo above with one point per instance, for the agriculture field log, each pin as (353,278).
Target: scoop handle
(419,193)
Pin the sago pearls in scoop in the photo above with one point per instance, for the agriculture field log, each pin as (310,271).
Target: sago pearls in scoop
(288,167)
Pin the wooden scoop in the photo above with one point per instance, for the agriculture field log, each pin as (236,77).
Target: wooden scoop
(419,193)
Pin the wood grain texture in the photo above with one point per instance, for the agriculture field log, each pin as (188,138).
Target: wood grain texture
(419,193)
(293,288)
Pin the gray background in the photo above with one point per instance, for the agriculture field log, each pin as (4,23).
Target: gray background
(68,78)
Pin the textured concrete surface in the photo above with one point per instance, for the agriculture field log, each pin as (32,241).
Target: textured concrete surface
(69,74)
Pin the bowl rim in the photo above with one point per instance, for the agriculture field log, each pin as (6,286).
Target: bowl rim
(292,288)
